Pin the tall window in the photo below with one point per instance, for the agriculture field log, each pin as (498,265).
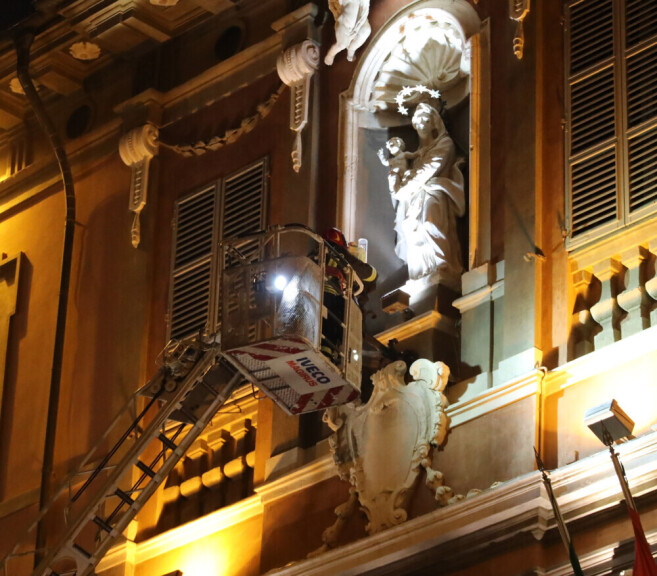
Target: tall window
(232,206)
(611,142)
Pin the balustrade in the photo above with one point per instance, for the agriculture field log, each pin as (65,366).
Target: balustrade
(614,294)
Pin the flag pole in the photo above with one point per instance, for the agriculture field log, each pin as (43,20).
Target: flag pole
(561,524)
(620,471)
(644,563)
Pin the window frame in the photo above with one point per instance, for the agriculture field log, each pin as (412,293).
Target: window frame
(623,135)
(218,189)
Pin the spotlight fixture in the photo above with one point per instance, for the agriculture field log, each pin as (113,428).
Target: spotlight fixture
(608,422)
(280,282)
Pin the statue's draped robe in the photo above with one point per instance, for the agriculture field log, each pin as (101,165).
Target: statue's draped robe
(428,204)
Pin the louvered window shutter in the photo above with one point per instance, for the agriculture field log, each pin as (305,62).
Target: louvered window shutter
(244,195)
(610,69)
(641,59)
(191,282)
(232,207)
(592,144)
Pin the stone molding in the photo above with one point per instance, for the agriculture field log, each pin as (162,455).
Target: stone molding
(613,244)
(182,535)
(431,320)
(311,474)
(495,398)
(601,361)
(617,556)
(520,505)
(42,174)
(486,294)
(10,279)
(224,78)
(514,507)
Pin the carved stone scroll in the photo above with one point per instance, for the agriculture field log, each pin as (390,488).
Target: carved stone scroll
(518,11)
(136,149)
(295,66)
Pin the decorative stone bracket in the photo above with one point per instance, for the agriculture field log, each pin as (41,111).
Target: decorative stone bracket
(295,66)
(518,11)
(136,149)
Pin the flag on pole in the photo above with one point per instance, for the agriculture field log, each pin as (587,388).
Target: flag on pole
(561,524)
(644,564)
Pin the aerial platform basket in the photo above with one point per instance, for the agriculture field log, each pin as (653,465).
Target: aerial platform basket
(276,327)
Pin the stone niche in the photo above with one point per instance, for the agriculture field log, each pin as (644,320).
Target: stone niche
(422,50)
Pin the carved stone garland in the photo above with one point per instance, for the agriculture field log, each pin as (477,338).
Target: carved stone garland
(231,135)
(295,66)
(136,149)
(381,446)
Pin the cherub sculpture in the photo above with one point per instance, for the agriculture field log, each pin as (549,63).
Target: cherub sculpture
(351,27)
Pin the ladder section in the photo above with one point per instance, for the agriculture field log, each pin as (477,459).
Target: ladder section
(187,393)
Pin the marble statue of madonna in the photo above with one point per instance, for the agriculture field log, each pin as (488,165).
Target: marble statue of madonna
(429,196)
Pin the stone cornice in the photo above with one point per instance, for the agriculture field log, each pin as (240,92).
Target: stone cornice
(422,323)
(600,361)
(317,471)
(43,174)
(494,399)
(474,299)
(612,244)
(517,506)
(590,485)
(224,78)
(20,502)
(615,556)
(496,514)
(183,535)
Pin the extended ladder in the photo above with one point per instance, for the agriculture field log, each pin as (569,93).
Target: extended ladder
(189,390)
(271,336)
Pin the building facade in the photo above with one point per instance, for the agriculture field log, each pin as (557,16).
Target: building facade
(513,228)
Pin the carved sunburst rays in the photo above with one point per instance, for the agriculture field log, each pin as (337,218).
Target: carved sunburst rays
(431,52)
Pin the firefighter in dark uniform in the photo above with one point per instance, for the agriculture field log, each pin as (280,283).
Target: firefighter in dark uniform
(335,288)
